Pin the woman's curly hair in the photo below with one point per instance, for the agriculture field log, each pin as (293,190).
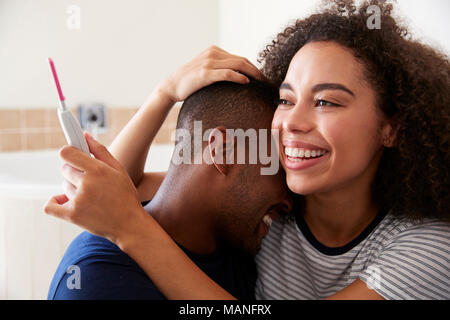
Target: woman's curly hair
(412,82)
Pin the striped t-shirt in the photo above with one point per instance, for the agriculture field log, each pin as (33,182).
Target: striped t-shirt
(394,256)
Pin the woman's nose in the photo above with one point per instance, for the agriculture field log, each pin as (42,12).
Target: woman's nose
(298,119)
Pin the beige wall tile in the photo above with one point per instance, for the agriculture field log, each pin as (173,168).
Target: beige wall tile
(29,137)
(56,140)
(163,136)
(172,117)
(106,138)
(9,119)
(113,132)
(34,118)
(119,117)
(35,141)
(52,120)
(10,142)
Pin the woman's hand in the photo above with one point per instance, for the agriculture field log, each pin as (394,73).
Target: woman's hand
(99,195)
(212,65)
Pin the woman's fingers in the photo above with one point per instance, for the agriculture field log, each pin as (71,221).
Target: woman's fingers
(221,59)
(225,75)
(238,64)
(76,158)
(69,189)
(72,175)
(212,65)
(55,206)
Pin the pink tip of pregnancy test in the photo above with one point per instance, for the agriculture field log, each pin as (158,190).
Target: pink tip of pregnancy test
(55,77)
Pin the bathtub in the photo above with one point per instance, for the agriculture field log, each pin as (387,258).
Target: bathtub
(32,243)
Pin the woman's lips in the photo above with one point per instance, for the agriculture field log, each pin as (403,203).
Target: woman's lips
(299,155)
(300,144)
(299,159)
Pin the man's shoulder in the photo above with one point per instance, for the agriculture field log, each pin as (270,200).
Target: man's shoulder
(104,272)
(87,247)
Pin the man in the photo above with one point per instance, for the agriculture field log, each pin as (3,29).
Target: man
(216,210)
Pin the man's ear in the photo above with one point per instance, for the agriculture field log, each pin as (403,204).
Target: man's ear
(218,149)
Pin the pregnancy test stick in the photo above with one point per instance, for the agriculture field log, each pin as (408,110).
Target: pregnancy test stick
(70,125)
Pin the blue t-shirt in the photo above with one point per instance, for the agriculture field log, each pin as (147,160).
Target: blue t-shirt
(105,272)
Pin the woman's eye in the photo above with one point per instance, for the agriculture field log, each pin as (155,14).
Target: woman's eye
(325,103)
(283,102)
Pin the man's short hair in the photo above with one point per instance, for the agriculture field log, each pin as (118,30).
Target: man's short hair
(229,104)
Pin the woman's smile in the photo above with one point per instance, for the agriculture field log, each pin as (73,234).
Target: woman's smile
(298,159)
(299,155)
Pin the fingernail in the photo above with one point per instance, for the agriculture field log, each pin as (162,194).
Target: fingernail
(88,135)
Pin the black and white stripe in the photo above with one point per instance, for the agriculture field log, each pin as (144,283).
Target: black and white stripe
(396,257)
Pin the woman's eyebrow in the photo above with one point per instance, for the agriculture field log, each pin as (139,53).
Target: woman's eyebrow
(320,87)
(285,86)
(331,86)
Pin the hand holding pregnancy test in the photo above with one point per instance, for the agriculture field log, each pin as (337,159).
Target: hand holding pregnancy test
(84,202)
(101,198)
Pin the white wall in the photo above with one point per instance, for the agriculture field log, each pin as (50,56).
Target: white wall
(429,20)
(122,49)
(246,26)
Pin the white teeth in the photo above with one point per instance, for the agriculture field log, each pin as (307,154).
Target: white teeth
(288,151)
(267,220)
(302,153)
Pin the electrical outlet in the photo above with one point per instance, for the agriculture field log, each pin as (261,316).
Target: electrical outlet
(92,116)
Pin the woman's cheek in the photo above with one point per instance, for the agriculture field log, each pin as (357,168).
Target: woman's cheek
(277,121)
(277,125)
(353,150)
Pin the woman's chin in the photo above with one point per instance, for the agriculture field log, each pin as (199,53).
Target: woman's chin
(299,186)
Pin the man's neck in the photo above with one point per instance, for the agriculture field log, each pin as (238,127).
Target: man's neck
(179,209)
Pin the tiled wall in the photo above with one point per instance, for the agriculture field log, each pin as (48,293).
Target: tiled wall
(39,129)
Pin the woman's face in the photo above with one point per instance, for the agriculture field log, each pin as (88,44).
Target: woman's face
(331,134)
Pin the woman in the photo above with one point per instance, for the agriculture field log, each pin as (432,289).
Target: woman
(370,220)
